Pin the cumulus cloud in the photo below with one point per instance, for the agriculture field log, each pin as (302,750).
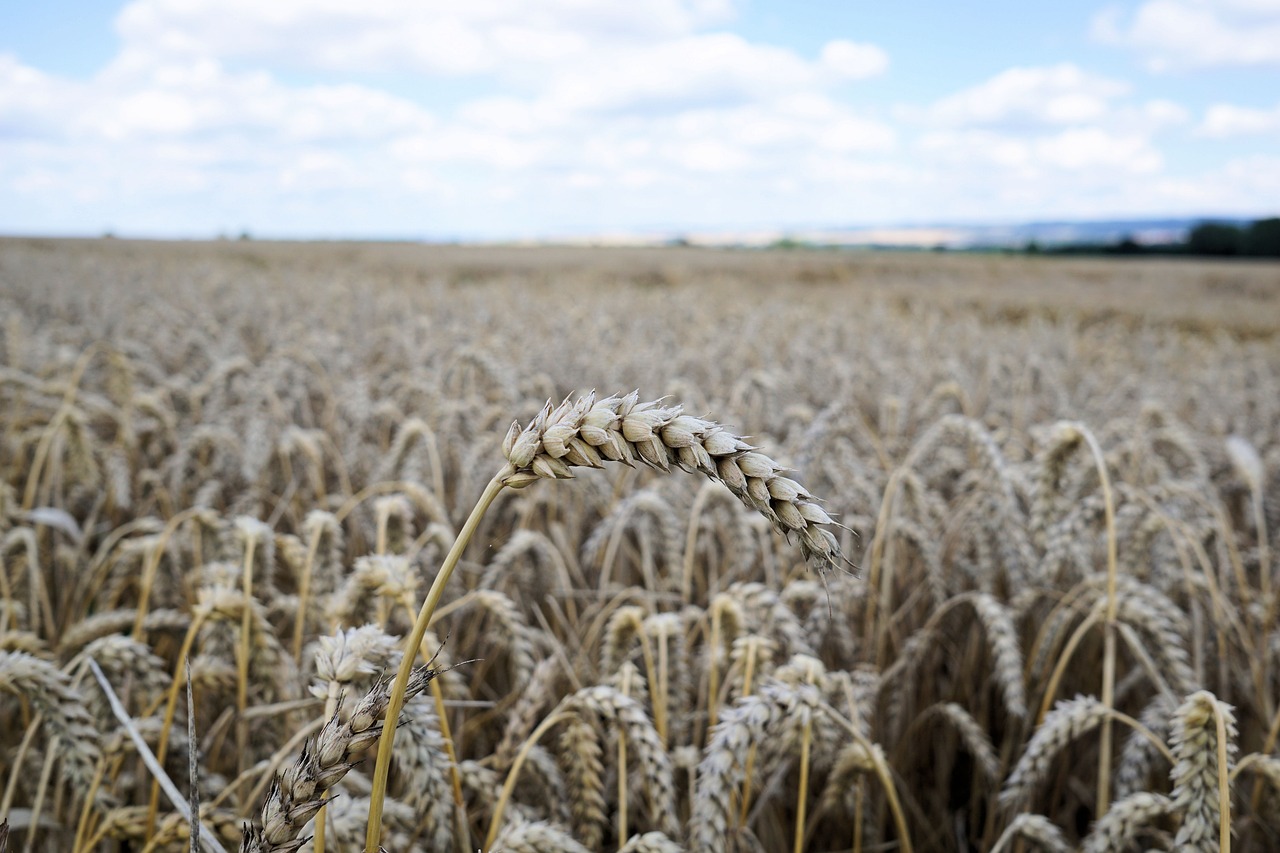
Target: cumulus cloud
(1182,34)
(1053,95)
(425,36)
(586,94)
(1222,121)
(852,60)
(579,115)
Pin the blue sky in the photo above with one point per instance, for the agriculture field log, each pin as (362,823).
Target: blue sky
(561,118)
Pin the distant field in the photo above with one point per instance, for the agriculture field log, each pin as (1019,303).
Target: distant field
(1050,478)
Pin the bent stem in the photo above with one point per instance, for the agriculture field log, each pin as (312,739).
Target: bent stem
(382,768)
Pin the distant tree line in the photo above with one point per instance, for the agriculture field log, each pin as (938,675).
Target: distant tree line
(1258,239)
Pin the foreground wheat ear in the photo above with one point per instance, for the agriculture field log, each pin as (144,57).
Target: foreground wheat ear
(588,432)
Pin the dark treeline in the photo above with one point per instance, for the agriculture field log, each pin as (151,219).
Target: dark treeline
(1258,239)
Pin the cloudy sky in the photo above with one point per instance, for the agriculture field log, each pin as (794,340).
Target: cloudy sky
(551,118)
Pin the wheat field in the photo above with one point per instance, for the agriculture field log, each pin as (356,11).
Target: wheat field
(884,551)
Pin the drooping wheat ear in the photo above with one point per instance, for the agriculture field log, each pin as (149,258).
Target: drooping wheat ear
(642,511)
(535,837)
(379,583)
(843,783)
(1037,829)
(299,790)
(584,774)
(393,522)
(997,622)
(62,710)
(423,768)
(537,693)
(510,632)
(608,705)
(973,735)
(1117,829)
(1139,754)
(625,625)
(127,662)
(1250,467)
(321,569)
(770,617)
(1203,740)
(727,621)
(350,655)
(776,711)
(656,775)
(650,842)
(1067,721)
(671,681)
(548,562)
(1144,607)
(589,432)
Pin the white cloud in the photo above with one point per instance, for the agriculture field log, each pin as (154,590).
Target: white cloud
(589,115)
(1178,34)
(425,36)
(1053,95)
(589,97)
(1089,152)
(1227,120)
(854,61)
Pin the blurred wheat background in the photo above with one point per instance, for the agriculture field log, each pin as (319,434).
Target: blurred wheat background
(1058,480)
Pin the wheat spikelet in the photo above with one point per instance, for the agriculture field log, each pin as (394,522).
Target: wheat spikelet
(352,655)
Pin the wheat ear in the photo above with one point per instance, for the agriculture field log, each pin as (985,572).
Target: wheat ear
(588,432)
(1204,732)
(299,790)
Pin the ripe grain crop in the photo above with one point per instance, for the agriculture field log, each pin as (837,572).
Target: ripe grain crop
(979,553)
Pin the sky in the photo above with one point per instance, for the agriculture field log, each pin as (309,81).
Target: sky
(547,119)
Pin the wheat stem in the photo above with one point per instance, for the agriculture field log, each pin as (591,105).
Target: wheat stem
(382,769)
